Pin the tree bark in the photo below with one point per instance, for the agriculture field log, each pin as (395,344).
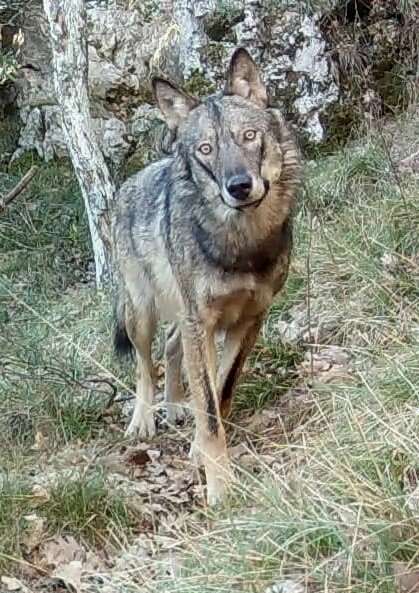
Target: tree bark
(68,34)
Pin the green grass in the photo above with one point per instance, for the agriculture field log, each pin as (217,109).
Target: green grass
(336,513)
(272,373)
(14,497)
(83,505)
(56,361)
(43,237)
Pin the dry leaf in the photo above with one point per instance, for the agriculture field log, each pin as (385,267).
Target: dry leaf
(138,458)
(13,584)
(40,495)
(60,551)
(34,532)
(70,574)
(406,579)
(41,442)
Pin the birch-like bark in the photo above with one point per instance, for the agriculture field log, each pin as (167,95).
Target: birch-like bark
(68,34)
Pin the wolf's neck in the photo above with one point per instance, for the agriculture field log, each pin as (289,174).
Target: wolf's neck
(236,248)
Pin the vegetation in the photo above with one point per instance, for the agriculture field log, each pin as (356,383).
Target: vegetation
(331,497)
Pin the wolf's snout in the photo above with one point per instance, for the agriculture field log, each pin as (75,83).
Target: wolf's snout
(240,186)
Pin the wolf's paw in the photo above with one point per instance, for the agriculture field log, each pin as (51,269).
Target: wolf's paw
(142,425)
(218,487)
(175,413)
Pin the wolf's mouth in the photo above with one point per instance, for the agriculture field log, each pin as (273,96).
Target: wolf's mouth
(254,204)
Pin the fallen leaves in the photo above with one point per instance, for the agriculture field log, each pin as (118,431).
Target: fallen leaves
(406,578)
(13,584)
(138,458)
(66,561)
(327,364)
(34,532)
(60,551)
(157,482)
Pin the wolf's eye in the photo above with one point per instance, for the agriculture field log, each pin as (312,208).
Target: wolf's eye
(205,148)
(250,135)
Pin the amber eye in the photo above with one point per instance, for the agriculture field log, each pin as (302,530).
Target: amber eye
(205,148)
(250,135)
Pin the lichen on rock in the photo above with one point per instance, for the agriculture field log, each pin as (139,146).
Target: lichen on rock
(191,43)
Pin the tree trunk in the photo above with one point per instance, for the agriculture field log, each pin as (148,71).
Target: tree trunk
(68,33)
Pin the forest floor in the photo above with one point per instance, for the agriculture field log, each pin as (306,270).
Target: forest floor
(324,435)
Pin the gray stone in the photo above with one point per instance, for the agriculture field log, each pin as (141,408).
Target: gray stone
(186,41)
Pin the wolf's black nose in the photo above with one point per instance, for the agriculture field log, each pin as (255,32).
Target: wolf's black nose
(240,186)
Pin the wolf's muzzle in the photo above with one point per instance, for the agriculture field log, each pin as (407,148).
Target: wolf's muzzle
(240,186)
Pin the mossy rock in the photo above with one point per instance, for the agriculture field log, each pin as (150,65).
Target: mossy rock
(219,25)
(198,84)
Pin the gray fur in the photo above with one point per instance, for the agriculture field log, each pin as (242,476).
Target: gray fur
(194,248)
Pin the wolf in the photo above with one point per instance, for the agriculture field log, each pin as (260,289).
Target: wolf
(202,239)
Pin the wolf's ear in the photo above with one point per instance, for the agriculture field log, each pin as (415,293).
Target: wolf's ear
(173,103)
(243,79)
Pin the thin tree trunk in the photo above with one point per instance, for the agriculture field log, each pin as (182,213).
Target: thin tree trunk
(68,34)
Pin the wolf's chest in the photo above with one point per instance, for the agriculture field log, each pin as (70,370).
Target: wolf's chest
(222,310)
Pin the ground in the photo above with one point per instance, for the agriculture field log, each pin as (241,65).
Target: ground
(324,431)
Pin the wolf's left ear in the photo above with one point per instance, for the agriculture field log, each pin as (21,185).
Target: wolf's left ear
(243,79)
(174,104)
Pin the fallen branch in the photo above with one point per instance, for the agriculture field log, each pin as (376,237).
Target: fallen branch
(18,189)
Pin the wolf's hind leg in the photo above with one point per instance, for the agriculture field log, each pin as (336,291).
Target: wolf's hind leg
(141,326)
(174,393)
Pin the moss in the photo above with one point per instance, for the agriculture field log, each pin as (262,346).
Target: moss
(9,134)
(145,95)
(218,26)
(216,53)
(197,84)
(136,162)
(392,86)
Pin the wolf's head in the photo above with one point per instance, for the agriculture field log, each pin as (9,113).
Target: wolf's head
(230,140)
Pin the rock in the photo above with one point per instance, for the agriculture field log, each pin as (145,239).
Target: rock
(13,584)
(300,328)
(406,578)
(296,64)
(124,49)
(191,43)
(286,586)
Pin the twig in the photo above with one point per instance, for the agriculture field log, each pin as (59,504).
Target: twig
(308,292)
(18,189)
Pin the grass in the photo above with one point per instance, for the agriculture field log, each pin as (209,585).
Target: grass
(83,506)
(55,368)
(14,495)
(273,373)
(336,510)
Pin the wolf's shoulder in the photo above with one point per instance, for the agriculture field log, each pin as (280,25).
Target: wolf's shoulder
(150,180)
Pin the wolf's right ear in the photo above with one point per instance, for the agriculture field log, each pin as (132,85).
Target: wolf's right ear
(174,104)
